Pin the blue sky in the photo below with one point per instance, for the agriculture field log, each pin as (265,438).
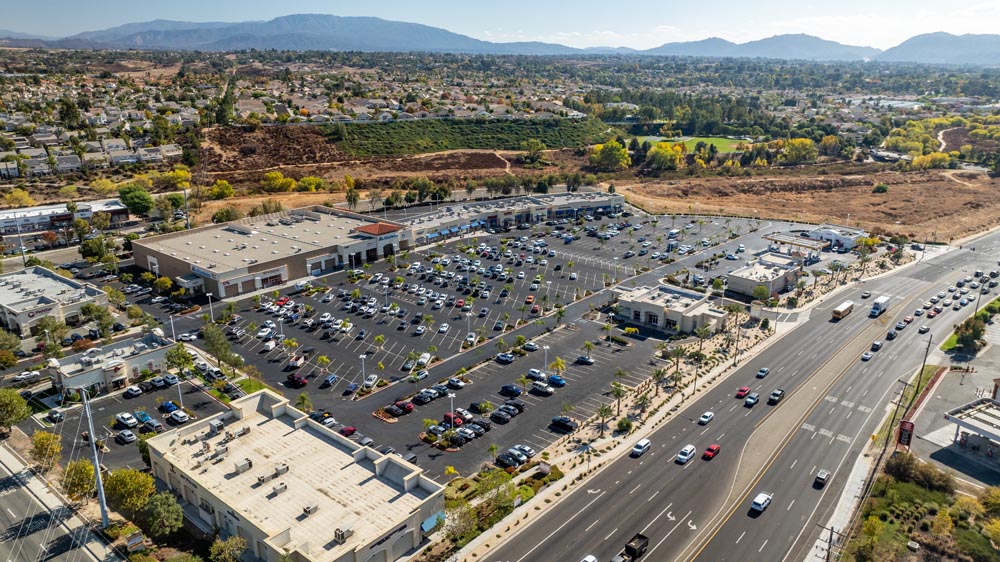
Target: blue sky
(579,23)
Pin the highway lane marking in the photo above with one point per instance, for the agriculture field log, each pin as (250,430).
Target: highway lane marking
(793,464)
(848,415)
(719,438)
(741,537)
(611,533)
(634,489)
(667,536)
(762,546)
(789,508)
(11,513)
(734,407)
(591,525)
(653,496)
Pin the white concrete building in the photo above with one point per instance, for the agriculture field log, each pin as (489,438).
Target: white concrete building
(288,485)
(31,294)
(107,368)
(668,308)
(838,236)
(777,272)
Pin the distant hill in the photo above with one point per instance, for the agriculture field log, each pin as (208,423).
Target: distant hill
(327,32)
(945,48)
(8,34)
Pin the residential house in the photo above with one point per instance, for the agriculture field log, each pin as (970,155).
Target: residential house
(37,166)
(119,157)
(9,170)
(96,160)
(68,164)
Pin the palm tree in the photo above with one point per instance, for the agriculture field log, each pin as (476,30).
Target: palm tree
(303,403)
(619,375)
(486,406)
(619,392)
(658,375)
(519,341)
(567,408)
(379,341)
(290,345)
(523,380)
(428,319)
(429,423)
(560,313)
(677,354)
(588,346)
(493,448)
(323,361)
(569,265)
(643,401)
(703,334)
(522,309)
(356,294)
(607,330)
(604,412)
(558,365)
(450,471)
(501,345)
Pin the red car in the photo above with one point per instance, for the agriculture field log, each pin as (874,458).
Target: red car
(296,381)
(406,406)
(348,431)
(742,392)
(535,309)
(932,314)
(908,319)
(710,452)
(452,419)
(282,301)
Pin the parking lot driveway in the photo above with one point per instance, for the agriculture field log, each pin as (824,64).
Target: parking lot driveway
(104,410)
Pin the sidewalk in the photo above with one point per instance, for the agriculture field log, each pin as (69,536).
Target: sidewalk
(76,527)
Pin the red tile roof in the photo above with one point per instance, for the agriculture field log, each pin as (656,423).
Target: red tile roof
(377,229)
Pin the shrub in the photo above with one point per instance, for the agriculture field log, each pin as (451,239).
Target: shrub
(880,188)
(975,545)
(625,425)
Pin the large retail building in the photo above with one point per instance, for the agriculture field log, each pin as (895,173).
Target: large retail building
(294,489)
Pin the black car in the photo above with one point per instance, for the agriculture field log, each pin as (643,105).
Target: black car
(584,360)
(483,423)
(497,326)
(477,407)
(146,386)
(118,327)
(516,404)
(55,416)
(422,398)
(475,428)
(393,410)
(564,424)
(890,335)
(308,351)
(506,460)
(441,389)
(499,417)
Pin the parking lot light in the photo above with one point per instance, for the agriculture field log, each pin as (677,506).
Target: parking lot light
(210,311)
(362,358)
(451,396)
(468,321)
(545,348)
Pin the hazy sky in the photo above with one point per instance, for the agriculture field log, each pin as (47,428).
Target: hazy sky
(580,23)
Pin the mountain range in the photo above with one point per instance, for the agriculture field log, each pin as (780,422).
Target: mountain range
(302,32)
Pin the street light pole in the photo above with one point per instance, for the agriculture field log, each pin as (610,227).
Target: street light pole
(210,311)
(468,322)
(362,358)
(545,349)
(102,501)
(451,396)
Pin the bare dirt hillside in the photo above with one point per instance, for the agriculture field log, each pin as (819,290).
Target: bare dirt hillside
(943,204)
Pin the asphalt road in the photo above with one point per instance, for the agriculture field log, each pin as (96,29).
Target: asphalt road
(834,403)
(29,532)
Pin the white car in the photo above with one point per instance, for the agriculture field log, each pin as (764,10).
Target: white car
(706,417)
(264,333)
(686,454)
(470,339)
(133,391)
(443,328)
(27,376)
(371,381)
(189,336)
(325,317)
(126,419)
(171,379)
(762,500)
(178,416)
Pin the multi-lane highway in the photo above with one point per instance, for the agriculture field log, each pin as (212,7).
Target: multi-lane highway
(833,403)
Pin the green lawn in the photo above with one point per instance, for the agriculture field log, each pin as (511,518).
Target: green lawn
(723,144)
(950,343)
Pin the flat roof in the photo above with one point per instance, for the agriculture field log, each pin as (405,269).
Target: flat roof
(111,356)
(758,271)
(240,244)
(801,241)
(448,214)
(347,485)
(982,416)
(106,205)
(667,296)
(840,230)
(36,286)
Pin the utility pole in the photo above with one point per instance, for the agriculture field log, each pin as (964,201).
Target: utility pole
(97,461)
(830,541)
(920,375)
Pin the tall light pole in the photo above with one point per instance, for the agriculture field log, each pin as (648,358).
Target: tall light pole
(451,396)
(545,348)
(210,311)
(468,322)
(97,461)
(362,358)
(281,327)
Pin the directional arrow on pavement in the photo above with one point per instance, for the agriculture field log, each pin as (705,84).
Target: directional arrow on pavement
(589,491)
(670,515)
(692,526)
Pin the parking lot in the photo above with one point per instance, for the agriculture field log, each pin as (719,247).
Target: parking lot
(106,427)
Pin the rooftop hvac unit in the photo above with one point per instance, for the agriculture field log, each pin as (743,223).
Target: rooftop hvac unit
(242,431)
(221,451)
(215,426)
(243,466)
(279,488)
(197,464)
(205,446)
(310,509)
(263,478)
(281,469)
(341,535)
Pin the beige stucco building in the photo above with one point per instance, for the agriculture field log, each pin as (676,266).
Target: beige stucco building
(777,272)
(268,473)
(668,308)
(31,294)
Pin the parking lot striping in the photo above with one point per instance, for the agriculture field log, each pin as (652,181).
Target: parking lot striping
(741,537)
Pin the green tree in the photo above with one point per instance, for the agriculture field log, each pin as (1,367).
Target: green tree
(800,151)
(533,150)
(13,409)
(216,343)
(9,342)
(178,358)
(275,182)
(226,214)
(352,196)
(761,293)
(610,157)
(129,489)
(618,391)
(136,199)
(221,189)
(45,449)
(304,403)
(79,481)
(161,515)
(18,198)
(990,499)
(604,412)
(228,550)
